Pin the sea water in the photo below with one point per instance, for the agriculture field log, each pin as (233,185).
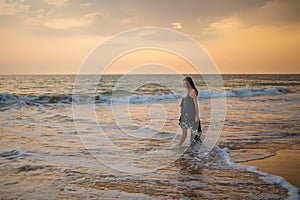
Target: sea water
(48,151)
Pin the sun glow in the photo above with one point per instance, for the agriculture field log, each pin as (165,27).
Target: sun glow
(177,25)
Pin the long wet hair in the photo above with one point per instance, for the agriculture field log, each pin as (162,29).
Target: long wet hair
(190,84)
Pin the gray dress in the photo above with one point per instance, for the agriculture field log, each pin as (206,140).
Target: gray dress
(187,120)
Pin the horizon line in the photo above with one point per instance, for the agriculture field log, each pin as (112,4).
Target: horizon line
(8,74)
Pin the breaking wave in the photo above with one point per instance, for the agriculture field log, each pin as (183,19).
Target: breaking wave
(127,97)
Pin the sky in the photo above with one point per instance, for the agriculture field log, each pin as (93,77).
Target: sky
(240,36)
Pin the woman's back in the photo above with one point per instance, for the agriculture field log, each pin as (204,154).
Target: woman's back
(188,106)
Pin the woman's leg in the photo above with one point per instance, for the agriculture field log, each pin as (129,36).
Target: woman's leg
(183,136)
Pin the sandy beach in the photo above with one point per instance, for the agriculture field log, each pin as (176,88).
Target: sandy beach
(285,164)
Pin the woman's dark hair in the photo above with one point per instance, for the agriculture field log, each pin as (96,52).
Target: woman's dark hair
(190,84)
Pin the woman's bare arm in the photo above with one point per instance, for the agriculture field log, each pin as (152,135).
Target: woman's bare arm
(194,96)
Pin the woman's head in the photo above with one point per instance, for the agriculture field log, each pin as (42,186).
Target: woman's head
(189,83)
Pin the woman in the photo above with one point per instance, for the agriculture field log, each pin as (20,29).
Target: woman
(189,118)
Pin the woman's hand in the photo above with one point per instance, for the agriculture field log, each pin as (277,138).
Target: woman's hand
(197,118)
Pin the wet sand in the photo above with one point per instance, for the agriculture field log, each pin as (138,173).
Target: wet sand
(286,163)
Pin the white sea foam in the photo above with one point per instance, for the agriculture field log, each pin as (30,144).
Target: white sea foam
(7,98)
(269,178)
(246,92)
(242,92)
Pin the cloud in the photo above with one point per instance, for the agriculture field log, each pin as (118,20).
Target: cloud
(105,17)
(129,20)
(13,8)
(85,4)
(115,16)
(57,3)
(229,23)
(275,12)
(69,23)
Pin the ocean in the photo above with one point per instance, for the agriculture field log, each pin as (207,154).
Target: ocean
(115,137)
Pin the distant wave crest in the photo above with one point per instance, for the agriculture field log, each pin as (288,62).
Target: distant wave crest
(248,92)
(127,97)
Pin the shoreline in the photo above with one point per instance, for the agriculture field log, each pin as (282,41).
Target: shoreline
(285,164)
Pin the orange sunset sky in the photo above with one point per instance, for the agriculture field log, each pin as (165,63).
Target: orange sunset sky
(241,36)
